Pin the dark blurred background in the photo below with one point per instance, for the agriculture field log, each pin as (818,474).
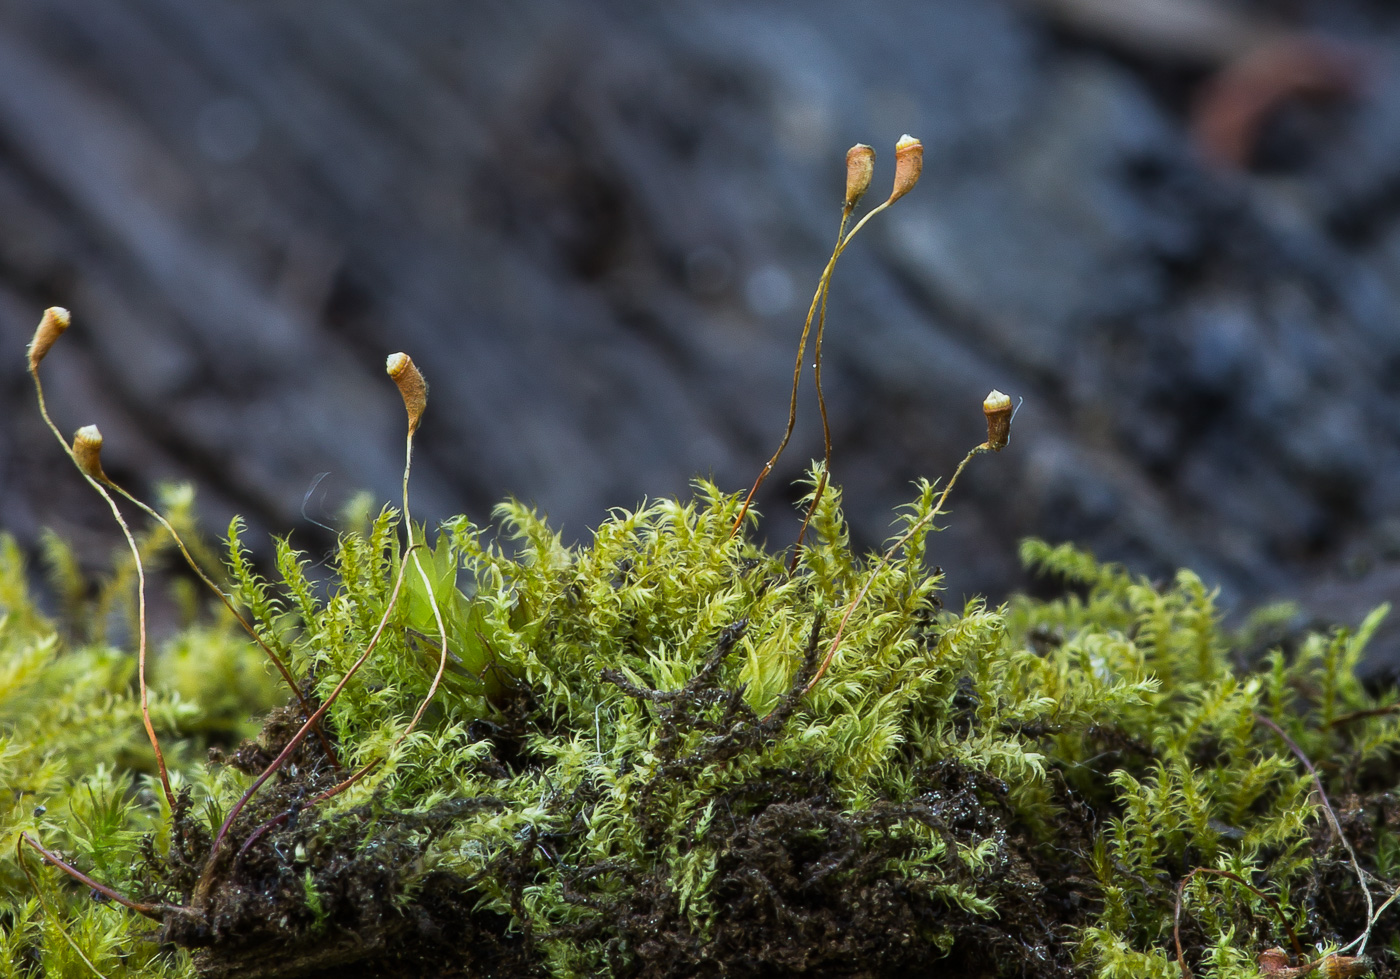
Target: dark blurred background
(1172,226)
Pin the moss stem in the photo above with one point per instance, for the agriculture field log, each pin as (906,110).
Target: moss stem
(1331,820)
(297,738)
(880,566)
(140,576)
(152,911)
(37,352)
(276,660)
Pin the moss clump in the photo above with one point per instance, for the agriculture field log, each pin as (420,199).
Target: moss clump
(624,771)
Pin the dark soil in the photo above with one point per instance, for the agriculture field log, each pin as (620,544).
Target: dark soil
(315,897)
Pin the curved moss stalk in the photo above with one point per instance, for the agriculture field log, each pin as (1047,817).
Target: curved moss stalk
(860,161)
(52,325)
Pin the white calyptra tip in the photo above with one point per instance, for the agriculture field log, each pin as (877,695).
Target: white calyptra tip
(996,401)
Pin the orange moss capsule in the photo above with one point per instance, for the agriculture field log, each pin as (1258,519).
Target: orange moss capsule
(87,452)
(997,408)
(411,385)
(908,165)
(860,168)
(1272,961)
(55,320)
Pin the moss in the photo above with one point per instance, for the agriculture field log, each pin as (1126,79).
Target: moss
(623,771)
(671,753)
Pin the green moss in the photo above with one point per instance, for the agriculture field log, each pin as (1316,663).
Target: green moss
(622,771)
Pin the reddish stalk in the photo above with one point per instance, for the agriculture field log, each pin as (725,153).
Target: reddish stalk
(340,787)
(414,391)
(1176,917)
(43,902)
(153,911)
(86,452)
(821,398)
(335,790)
(817,375)
(860,162)
(88,441)
(819,299)
(812,507)
(50,329)
(141,649)
(297,738)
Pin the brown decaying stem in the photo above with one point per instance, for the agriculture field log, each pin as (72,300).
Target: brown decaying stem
(888,556)
(189,559)
(1331,818)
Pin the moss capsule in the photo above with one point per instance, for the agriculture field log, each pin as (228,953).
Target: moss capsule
(908,165)
(87,452)
(55,320)
(860,167)
(997,408)
(411,385)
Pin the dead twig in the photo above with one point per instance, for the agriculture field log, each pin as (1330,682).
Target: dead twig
(1332,820)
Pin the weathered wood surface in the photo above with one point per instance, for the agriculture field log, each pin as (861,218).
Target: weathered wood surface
(595,226)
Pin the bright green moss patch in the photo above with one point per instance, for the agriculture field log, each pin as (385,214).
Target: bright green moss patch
(624,773)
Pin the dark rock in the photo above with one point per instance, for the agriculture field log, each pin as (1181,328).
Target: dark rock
(595,225)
